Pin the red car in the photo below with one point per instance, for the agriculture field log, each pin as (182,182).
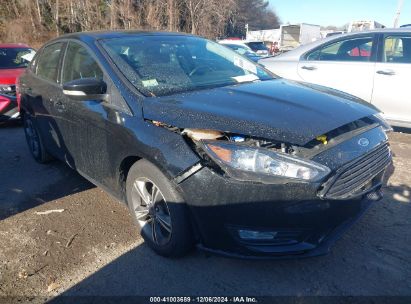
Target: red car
(14,58)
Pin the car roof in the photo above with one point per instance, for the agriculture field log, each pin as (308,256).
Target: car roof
(97,35)
(13,45)
(296,53)
(240,42)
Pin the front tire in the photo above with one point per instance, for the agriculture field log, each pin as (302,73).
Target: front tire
(34,140)
(159,210)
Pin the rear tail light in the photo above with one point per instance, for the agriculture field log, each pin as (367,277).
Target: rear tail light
(4,102)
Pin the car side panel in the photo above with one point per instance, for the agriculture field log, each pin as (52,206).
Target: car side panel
(355,78)
(286,69)
(391,92)
(392,75)
(111,136)
(38,96)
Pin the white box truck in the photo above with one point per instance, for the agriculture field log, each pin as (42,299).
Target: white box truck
(294,35)
(288,36)
(269,36)
(357,26)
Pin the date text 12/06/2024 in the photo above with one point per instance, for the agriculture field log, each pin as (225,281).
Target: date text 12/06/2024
(237,299)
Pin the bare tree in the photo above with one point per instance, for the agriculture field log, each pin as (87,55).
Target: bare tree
(35,21)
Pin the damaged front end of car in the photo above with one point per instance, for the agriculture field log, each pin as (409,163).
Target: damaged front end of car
(256,197)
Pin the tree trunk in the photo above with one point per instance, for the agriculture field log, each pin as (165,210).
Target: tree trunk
(38,11)
(57,18)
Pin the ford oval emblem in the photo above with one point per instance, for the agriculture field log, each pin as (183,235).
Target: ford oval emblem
(363,142)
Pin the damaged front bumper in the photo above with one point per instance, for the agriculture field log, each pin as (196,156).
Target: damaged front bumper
(258,220)
(298,219)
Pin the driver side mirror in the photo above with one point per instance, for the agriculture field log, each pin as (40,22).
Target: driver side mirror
(86,89)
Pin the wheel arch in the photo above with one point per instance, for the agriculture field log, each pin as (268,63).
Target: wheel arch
(124,169)
(25,107)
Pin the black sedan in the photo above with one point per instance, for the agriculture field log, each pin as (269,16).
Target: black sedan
(206,147)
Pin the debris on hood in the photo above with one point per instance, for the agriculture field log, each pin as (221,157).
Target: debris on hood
(323,139)
(199,134)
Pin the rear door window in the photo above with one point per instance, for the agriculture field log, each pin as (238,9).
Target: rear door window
(78,64)
(354,49)
(48,63)
(397,49)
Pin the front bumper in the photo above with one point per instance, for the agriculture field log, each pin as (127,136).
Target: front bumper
(297,219)
(303,224)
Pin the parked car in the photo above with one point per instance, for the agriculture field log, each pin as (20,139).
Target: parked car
(373,65)
(14,58)
(244,50)
(257,47)
(205,146)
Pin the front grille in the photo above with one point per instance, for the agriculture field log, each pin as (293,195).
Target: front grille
(357,176)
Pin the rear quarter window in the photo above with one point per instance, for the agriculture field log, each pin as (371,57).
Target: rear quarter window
(49,61)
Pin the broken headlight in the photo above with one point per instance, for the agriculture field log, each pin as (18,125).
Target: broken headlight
(258,164)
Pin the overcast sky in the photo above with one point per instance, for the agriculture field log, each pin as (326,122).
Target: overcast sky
(340,12)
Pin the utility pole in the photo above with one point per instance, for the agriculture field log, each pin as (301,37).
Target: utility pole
(398,14)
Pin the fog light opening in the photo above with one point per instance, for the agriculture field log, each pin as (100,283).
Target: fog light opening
(251,235)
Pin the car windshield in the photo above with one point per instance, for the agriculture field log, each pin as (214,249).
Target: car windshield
(14,58)
(163,65)
(257,46)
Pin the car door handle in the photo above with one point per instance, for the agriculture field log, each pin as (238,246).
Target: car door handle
(60,107)
(386,72)
(308,67)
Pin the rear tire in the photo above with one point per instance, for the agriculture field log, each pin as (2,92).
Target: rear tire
(159,210)
(34,140)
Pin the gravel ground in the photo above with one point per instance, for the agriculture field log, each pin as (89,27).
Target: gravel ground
(91,248)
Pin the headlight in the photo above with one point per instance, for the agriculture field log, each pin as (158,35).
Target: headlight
(7,88)
(385,125)
(256,164)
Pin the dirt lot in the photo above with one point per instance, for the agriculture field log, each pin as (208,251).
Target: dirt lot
(90,248)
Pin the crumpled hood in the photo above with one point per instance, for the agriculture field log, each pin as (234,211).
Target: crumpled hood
(279,110)
(9,76)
